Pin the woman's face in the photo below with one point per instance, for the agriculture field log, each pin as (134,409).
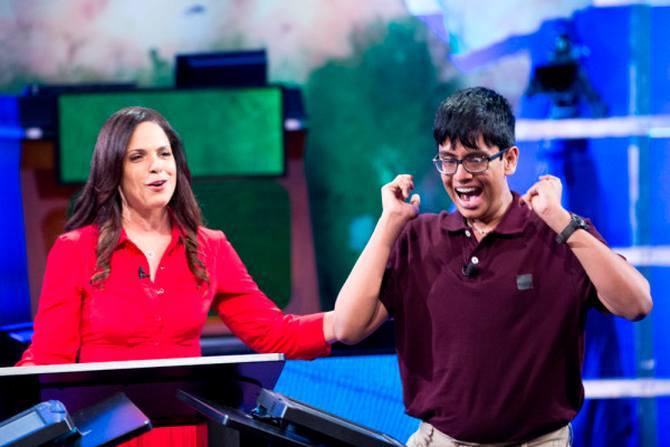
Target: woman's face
(149,169)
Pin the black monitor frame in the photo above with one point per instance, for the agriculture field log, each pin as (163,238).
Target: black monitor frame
(221,69)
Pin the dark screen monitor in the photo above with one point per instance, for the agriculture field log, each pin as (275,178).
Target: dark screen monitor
(226,132)
(45,422)
(110,422)
(221,69)
(556,77)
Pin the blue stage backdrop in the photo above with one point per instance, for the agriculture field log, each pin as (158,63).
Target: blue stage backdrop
(14,295)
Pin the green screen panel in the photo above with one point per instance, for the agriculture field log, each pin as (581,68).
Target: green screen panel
(255,216)
(225,132)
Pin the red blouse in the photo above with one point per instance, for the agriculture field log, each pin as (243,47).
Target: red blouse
(129,317)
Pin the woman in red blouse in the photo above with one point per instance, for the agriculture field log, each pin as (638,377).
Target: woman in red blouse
(136,273)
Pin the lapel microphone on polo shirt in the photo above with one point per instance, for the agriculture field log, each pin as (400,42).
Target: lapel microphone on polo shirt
(470,270)
(141,274)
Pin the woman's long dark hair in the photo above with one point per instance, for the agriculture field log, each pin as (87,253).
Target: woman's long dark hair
(100,201)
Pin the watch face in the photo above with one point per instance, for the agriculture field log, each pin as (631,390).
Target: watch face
(576,223)
(579,221)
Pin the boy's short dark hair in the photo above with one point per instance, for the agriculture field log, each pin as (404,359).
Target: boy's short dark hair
(472,112)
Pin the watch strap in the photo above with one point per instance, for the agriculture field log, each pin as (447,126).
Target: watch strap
(576,223)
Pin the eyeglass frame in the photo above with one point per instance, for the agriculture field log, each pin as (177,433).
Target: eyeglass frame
(488,158)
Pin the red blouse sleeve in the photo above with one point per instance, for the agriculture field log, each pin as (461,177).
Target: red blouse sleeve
(56,337)
(255,319)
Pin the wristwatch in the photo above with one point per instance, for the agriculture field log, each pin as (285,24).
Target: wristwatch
(576,222)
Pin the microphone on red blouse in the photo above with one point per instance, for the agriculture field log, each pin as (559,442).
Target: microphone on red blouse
(141,274)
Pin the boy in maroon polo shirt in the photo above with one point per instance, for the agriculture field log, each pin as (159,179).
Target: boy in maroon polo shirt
(489,302)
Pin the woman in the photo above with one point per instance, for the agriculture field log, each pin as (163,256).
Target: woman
(137,273)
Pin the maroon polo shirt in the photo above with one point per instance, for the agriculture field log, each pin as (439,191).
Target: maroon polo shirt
(491,353)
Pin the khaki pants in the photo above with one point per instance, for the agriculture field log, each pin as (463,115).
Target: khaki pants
(429,436)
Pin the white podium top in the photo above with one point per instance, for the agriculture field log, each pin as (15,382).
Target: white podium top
(139,364)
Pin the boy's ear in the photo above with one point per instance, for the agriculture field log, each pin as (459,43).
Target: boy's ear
(510,159)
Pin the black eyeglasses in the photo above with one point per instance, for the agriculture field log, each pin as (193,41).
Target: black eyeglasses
(474,164)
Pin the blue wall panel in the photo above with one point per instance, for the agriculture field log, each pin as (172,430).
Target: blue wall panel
(659,182)
(660,62)
(14,293)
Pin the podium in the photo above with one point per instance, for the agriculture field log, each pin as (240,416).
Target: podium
(231,393)
(152,385)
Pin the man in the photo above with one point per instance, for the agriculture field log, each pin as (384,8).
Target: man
(489,302)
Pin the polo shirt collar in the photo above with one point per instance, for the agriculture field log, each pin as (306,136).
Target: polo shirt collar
(513,222)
